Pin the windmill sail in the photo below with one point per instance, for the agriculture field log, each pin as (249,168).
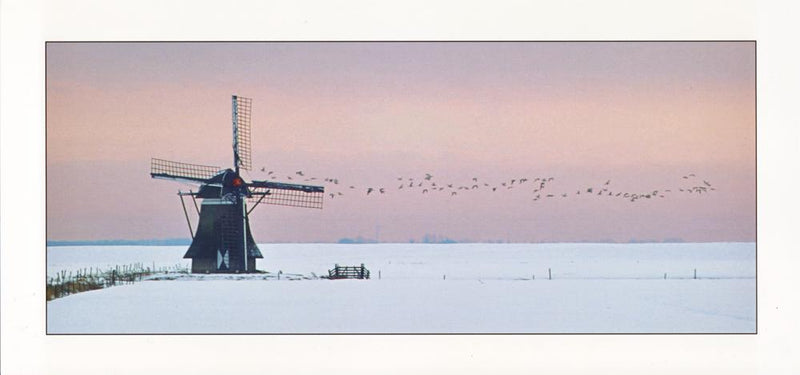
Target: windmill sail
(241,132)
(282,194)
(173,170)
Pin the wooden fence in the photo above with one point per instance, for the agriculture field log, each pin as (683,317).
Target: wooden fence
(348,272)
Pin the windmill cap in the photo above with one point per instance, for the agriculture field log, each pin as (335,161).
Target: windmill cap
(229,178)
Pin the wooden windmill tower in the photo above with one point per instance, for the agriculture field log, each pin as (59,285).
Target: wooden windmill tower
(223,242)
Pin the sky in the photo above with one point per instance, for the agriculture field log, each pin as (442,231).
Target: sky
(636,115)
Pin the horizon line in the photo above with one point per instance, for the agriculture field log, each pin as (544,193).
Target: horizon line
(343,241)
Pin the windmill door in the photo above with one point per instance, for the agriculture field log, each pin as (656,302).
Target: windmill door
(230,242)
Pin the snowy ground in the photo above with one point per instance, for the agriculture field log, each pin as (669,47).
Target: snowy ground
(458,288)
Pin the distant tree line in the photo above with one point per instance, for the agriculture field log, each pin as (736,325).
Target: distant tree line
(146,242)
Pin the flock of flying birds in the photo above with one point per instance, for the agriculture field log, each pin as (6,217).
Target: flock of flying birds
(537,186)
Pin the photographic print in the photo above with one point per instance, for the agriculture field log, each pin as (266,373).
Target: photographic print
(414,187)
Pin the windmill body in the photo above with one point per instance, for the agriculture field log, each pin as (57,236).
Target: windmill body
(223,241)
(218,243)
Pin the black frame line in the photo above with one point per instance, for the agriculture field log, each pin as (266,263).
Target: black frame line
(755,90)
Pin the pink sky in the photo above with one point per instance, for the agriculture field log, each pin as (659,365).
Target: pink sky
(639,114)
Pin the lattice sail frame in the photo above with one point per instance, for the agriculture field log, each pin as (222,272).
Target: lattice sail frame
(177,170)
(286,197)
(242,108)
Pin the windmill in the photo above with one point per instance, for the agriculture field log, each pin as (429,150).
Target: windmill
(223,242)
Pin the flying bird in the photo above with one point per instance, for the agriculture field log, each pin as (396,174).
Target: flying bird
(428,176)
(369,190)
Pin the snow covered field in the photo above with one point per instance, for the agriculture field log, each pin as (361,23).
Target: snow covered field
(447,288)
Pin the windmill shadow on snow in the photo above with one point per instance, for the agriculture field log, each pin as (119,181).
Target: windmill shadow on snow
(223,242)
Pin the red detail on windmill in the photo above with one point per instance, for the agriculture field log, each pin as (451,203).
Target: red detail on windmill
(237,182)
